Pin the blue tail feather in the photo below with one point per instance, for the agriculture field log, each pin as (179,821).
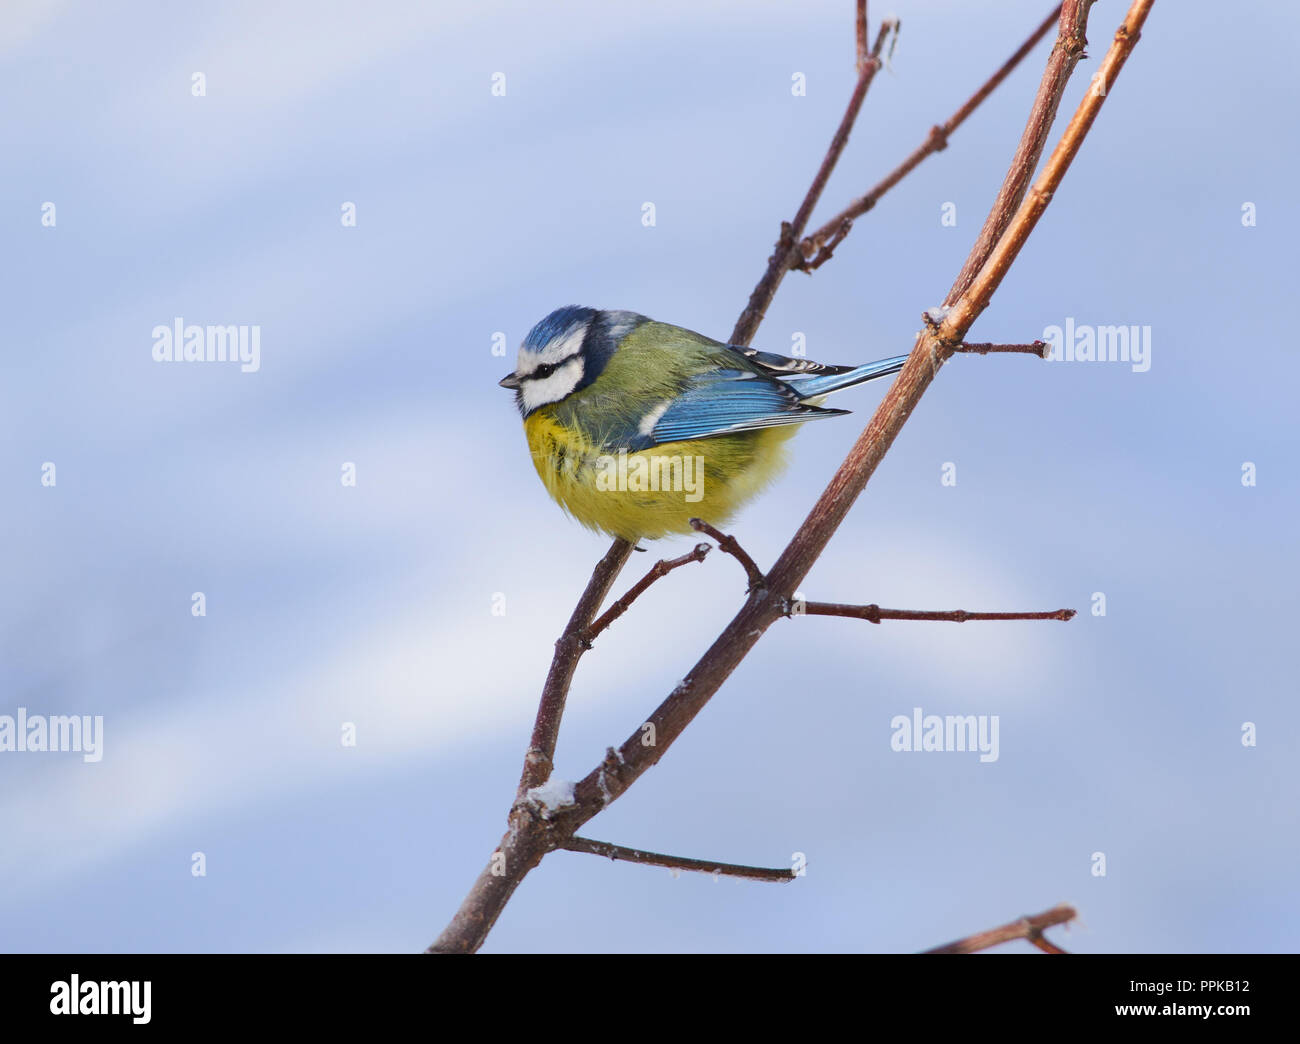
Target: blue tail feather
(812,386)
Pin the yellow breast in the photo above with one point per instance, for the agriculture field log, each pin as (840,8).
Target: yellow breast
(651,493)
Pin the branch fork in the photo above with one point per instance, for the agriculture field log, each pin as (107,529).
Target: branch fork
(1029,928)
(731,546)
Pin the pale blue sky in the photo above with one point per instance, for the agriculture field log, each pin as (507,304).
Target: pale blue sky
(372,604)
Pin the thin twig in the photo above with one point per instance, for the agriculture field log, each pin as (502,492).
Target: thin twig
(860,35)
(637,855)
(731,546)
(1039,348)
(1030,928)
(874,614)
(887,27)
(817,248)
(657,571)
(779,263)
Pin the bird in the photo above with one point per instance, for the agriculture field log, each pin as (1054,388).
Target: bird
(636,427)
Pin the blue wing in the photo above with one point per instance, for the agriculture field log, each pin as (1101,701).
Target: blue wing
(722,401)
(763,391)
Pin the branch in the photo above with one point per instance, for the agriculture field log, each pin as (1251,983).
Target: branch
(778,264)
(817,249)
(1039,348)
(657,571)
(1030,928)
(569,648)
(973,299)
(1070,42)
(637,855)
(887,27)
(731,546)
(874,614)
(860,35)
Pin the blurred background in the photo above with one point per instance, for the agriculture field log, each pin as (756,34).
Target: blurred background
(222,200)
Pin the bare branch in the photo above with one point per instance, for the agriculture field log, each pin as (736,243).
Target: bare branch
(817,249)
(1030,928)
(860,34)
(569,648)
(890,26)
(731,546)
(657,571)
(975,298)
(1071,40)
(1039,348)
(779,262)
(874,614)
(637,855)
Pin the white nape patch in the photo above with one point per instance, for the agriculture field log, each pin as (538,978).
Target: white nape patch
(649,421)
(559,348)
(620,323)
(541,391)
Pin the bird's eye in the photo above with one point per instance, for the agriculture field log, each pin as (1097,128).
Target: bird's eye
(543,371)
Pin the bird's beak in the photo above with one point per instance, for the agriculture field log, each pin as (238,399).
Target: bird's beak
(509,381)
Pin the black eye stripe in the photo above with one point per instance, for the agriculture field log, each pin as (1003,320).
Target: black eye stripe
(546,369)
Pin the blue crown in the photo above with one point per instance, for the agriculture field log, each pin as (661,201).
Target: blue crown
(556,325)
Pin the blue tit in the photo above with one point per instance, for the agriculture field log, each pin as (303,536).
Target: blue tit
(636,426)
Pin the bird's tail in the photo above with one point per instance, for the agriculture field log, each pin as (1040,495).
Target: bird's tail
(813,386)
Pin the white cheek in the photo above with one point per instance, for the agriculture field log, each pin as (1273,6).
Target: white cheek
(541,392)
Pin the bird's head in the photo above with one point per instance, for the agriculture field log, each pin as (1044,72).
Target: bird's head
(564,353)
